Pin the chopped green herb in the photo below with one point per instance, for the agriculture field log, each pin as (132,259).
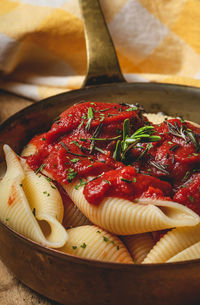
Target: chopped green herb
(117,247)
(107,181)
(98,231)
(83,140)
(76,143)
(174,147)
(40,168)
(43,139)
(75,160)
(125,180)
(148,147)
(134,179)
(104,109)
(74,247)
(45,193)
(117,152)
(187,174)
(95,134)
(70,114)
(83,245)
(105,238)
(6,218)
(196,170)
(68,150)
(20,184)
(53,186)
(100,150)
(71,174)
(90,116)
(132,109)
(160,167)
(56,119)
(105,139)
(82,182)
(80,125)
(191,198)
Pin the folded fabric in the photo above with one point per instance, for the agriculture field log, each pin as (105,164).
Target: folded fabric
(42,44)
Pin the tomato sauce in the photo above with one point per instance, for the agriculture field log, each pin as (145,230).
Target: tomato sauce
(113,150)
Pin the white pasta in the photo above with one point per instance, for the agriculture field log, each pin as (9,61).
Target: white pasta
(123,217)
(172,243)
(73,217)
(94,243)
(138,245)
(29,149)
(16,210)
(192,252)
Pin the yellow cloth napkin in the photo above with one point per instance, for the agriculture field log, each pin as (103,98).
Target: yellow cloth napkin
(42,45)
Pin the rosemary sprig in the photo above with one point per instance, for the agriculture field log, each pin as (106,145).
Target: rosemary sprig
(176,130)
(105,139)
(141,135)
(90,116)
(160,167)
(193,139)
(95,135)
(69,151)
(143,153)
(183,132)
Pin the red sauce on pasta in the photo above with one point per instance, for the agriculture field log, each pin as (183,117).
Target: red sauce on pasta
(113,150)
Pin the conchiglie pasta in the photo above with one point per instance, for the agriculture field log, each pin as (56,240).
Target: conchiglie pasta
(172,243)
(16,211)
(123,217)
(138,245)
(29,149)
(94,243)
(73,217)
(192,252)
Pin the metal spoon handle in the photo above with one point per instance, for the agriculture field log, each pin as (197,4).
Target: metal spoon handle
(102,62)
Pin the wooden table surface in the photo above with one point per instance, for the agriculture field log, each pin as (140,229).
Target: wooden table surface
(12,292)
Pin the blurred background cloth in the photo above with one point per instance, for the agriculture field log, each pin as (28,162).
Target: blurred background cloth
(42,45)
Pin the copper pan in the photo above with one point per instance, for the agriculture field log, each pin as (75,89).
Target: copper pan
(71,280)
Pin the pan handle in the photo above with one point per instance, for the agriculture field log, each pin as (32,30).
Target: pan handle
(102,62)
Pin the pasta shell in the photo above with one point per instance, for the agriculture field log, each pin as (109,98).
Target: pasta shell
(172,243)
(73,217)
(16,211)
(138,245)
(94,243)
(29,149)
(192,252)
(42,194)
(123,217)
